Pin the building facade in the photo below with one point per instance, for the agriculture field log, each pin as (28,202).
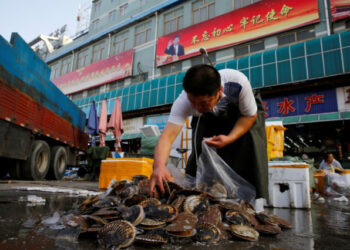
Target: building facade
(296,53)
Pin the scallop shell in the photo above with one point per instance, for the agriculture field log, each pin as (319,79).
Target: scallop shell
(117,234)
(151,239)
(244,232)
(206,232)
(151,224)
(134,214)
(195,204)
(218,191)
(107,202)
(164,212)
(137,178)
(280,222)
(212,215)
(265,219)
(236,218)
(268,229)
(97,219)
(136,199)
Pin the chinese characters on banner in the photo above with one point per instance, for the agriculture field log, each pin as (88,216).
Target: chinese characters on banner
(340,9)
(107,70)
(315,102)
(263,18)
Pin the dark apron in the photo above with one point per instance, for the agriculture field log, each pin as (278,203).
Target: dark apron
(247,155)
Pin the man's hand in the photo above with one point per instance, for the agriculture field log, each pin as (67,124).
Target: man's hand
(219,141)
(159,174)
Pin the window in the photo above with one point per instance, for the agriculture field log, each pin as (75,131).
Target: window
(143,33)
(202,10)
(296,36)
(247,49)
(77,96)
(116,84)
(140,77)
(93,91)
(66,66)
(112,16)
(95,25)
(97,52)
(120,42)
(122,9)
(97,6)
(171,68)
(203,59)
(237,4)
(82,59)
(173,21)
(55,71)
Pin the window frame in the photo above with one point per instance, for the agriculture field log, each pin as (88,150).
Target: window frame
(145,30)
(99,50)
(249,48)
(122,9)
(203,5)
(251,2)
(122,40)
(67,62)
(172,19)
(83,54)
(203,59)
(112,15)
(295,33)
(173,68)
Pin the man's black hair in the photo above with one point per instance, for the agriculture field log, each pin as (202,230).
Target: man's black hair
(326,155)
(201,80)
(177,36)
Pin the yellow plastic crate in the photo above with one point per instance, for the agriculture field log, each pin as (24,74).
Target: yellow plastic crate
(123,169)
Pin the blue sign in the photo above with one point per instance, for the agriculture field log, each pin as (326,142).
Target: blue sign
(315,102)
(159,120)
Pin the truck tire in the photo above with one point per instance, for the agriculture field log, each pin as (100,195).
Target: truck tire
(58,163)
(38,163)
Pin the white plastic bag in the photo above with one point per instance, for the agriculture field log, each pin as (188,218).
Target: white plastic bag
(213,173)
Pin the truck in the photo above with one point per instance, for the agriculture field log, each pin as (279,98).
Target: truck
(41,129)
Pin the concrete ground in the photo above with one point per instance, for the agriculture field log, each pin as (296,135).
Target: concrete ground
(23,225)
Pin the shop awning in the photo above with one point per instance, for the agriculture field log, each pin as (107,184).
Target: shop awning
(335,116)
(128,136)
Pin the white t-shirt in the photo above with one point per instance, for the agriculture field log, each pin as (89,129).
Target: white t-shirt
(236,86)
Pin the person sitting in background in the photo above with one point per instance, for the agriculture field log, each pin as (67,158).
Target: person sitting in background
(329,163)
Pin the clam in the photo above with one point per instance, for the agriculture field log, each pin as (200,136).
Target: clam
(225,231)
(117,234)
(178,201)
(144,187)
(88,202)
(134,214)
(244,232)
(105,212)
(183,226)
(208,233)
(119,186)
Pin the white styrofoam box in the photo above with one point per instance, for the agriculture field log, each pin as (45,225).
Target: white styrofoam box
(150,130)
(346,176)
(289,185)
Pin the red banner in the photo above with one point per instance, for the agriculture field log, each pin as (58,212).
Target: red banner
(251,22)
(340,9)
(107,70)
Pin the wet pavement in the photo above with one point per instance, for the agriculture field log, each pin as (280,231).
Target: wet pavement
(28,225)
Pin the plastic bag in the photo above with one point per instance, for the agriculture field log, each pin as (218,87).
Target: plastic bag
(213,174)
(336,184)
(180,177)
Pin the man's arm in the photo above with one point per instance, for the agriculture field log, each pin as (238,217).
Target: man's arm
(242,126)
(337,164)
(161,154)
